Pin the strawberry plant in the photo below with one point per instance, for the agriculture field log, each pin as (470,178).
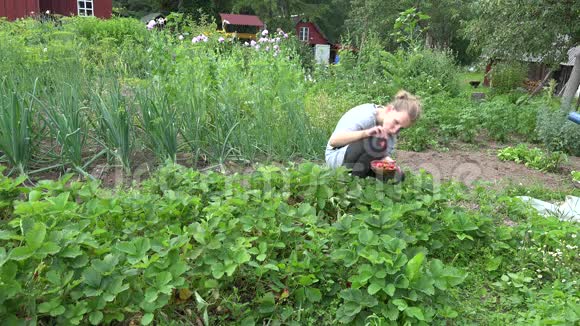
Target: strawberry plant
(533,157)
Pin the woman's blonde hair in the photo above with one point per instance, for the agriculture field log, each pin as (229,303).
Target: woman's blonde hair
(406,102)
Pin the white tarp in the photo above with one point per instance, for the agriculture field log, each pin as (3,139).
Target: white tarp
(569,210)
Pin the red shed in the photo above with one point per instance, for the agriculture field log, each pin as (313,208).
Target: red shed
(14,9)
(309,32)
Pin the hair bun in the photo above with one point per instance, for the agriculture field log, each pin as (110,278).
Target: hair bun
(402,95)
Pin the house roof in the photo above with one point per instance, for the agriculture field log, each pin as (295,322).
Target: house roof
(245,20)
(572,53)
(298,18)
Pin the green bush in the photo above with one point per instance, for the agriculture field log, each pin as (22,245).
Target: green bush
(557,132)
(507,76)
(117,29)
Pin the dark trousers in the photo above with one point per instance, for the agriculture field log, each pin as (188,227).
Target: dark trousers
(360,153)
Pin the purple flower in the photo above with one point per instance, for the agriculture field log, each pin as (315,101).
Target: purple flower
(285,35)
(257,46)
(265,32)
(221,39)
(253,43)
(277,40)
(195,39)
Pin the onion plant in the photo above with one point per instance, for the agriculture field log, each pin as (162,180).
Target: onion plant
(160,123)
(16,127)
(114,123)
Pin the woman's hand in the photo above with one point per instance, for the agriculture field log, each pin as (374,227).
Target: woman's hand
(377,131)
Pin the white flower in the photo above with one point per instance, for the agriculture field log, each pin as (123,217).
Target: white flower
(48,12)
(564,280)
(151,24)
(44,50)
(574,235)
(539,275)
(252,43)
(265,32)
(180,37)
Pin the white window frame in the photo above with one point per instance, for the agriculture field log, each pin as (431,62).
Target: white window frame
(83,10)
(304,34)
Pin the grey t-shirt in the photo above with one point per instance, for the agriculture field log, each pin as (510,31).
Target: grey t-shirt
(358,118)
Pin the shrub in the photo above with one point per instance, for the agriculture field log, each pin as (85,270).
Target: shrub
(556,132)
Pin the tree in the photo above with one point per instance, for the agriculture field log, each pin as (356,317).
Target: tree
(520,29)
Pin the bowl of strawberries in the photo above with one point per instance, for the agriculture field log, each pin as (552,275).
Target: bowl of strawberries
(385,168)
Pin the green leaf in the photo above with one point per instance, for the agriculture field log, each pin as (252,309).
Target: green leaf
(107,265)
(35,236)
(415,312)
(96,317)
(413,266)
(217,270)
(492,264)
(46,307)
(267,303)
(365,236)
(147,319)
(401,282)
(59,310)
(390,289)
(162,279)
(21,253)
(34,195)
(8,235)
(242,257)
(211,283)
(390,312)
(400,303)
(8,271)
(92,277)
(313,294)
(48,248)
(374,288)
(127,248)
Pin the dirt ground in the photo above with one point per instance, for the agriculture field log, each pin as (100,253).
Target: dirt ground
(469,166)
(464,164)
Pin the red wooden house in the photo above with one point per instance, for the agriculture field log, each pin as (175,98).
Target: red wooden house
(13,9)
(310,33)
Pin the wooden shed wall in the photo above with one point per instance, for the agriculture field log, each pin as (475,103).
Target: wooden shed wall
(17,8)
